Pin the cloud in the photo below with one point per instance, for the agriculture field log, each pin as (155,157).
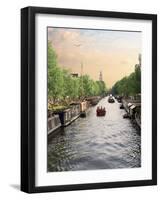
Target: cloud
(114,53)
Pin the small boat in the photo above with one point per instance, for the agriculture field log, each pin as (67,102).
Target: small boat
(119,99)
(100,111)
(121,106)
(111,100)
(126,115)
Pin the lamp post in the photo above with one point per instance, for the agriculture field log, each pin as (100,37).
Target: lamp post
(81,64)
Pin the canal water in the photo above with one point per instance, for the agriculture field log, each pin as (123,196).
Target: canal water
(108,142)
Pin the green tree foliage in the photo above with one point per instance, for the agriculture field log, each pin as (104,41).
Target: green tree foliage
(87,86)
(130,85)
(55,76)
(101,87)
(62,86)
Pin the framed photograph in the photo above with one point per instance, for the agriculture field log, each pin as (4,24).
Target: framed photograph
(88,99)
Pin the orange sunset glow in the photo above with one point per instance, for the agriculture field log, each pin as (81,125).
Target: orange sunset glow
(114,53)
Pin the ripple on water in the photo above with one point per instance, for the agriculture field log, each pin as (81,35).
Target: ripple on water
(109,142)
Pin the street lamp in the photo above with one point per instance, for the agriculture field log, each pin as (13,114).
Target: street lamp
(81,64)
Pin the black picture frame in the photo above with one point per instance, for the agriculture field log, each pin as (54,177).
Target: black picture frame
(28,98)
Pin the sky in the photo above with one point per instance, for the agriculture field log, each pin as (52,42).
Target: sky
(114,53)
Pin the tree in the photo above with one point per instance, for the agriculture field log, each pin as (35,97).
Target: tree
(55,77)
(62,87)
(130,85)
(102,87)
(87,86)
(71,86)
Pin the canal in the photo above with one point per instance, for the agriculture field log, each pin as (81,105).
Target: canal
(108,142)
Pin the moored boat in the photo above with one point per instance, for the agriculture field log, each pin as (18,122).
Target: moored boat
(121,106)
(119,99)
(126,115)
(53,123)
(111,99)
(68,115)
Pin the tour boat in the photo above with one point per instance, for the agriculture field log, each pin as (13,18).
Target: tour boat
(100,111)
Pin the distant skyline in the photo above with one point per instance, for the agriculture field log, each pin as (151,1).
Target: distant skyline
(114,53)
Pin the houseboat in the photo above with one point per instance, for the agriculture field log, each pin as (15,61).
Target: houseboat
(70,114)
(53,123)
